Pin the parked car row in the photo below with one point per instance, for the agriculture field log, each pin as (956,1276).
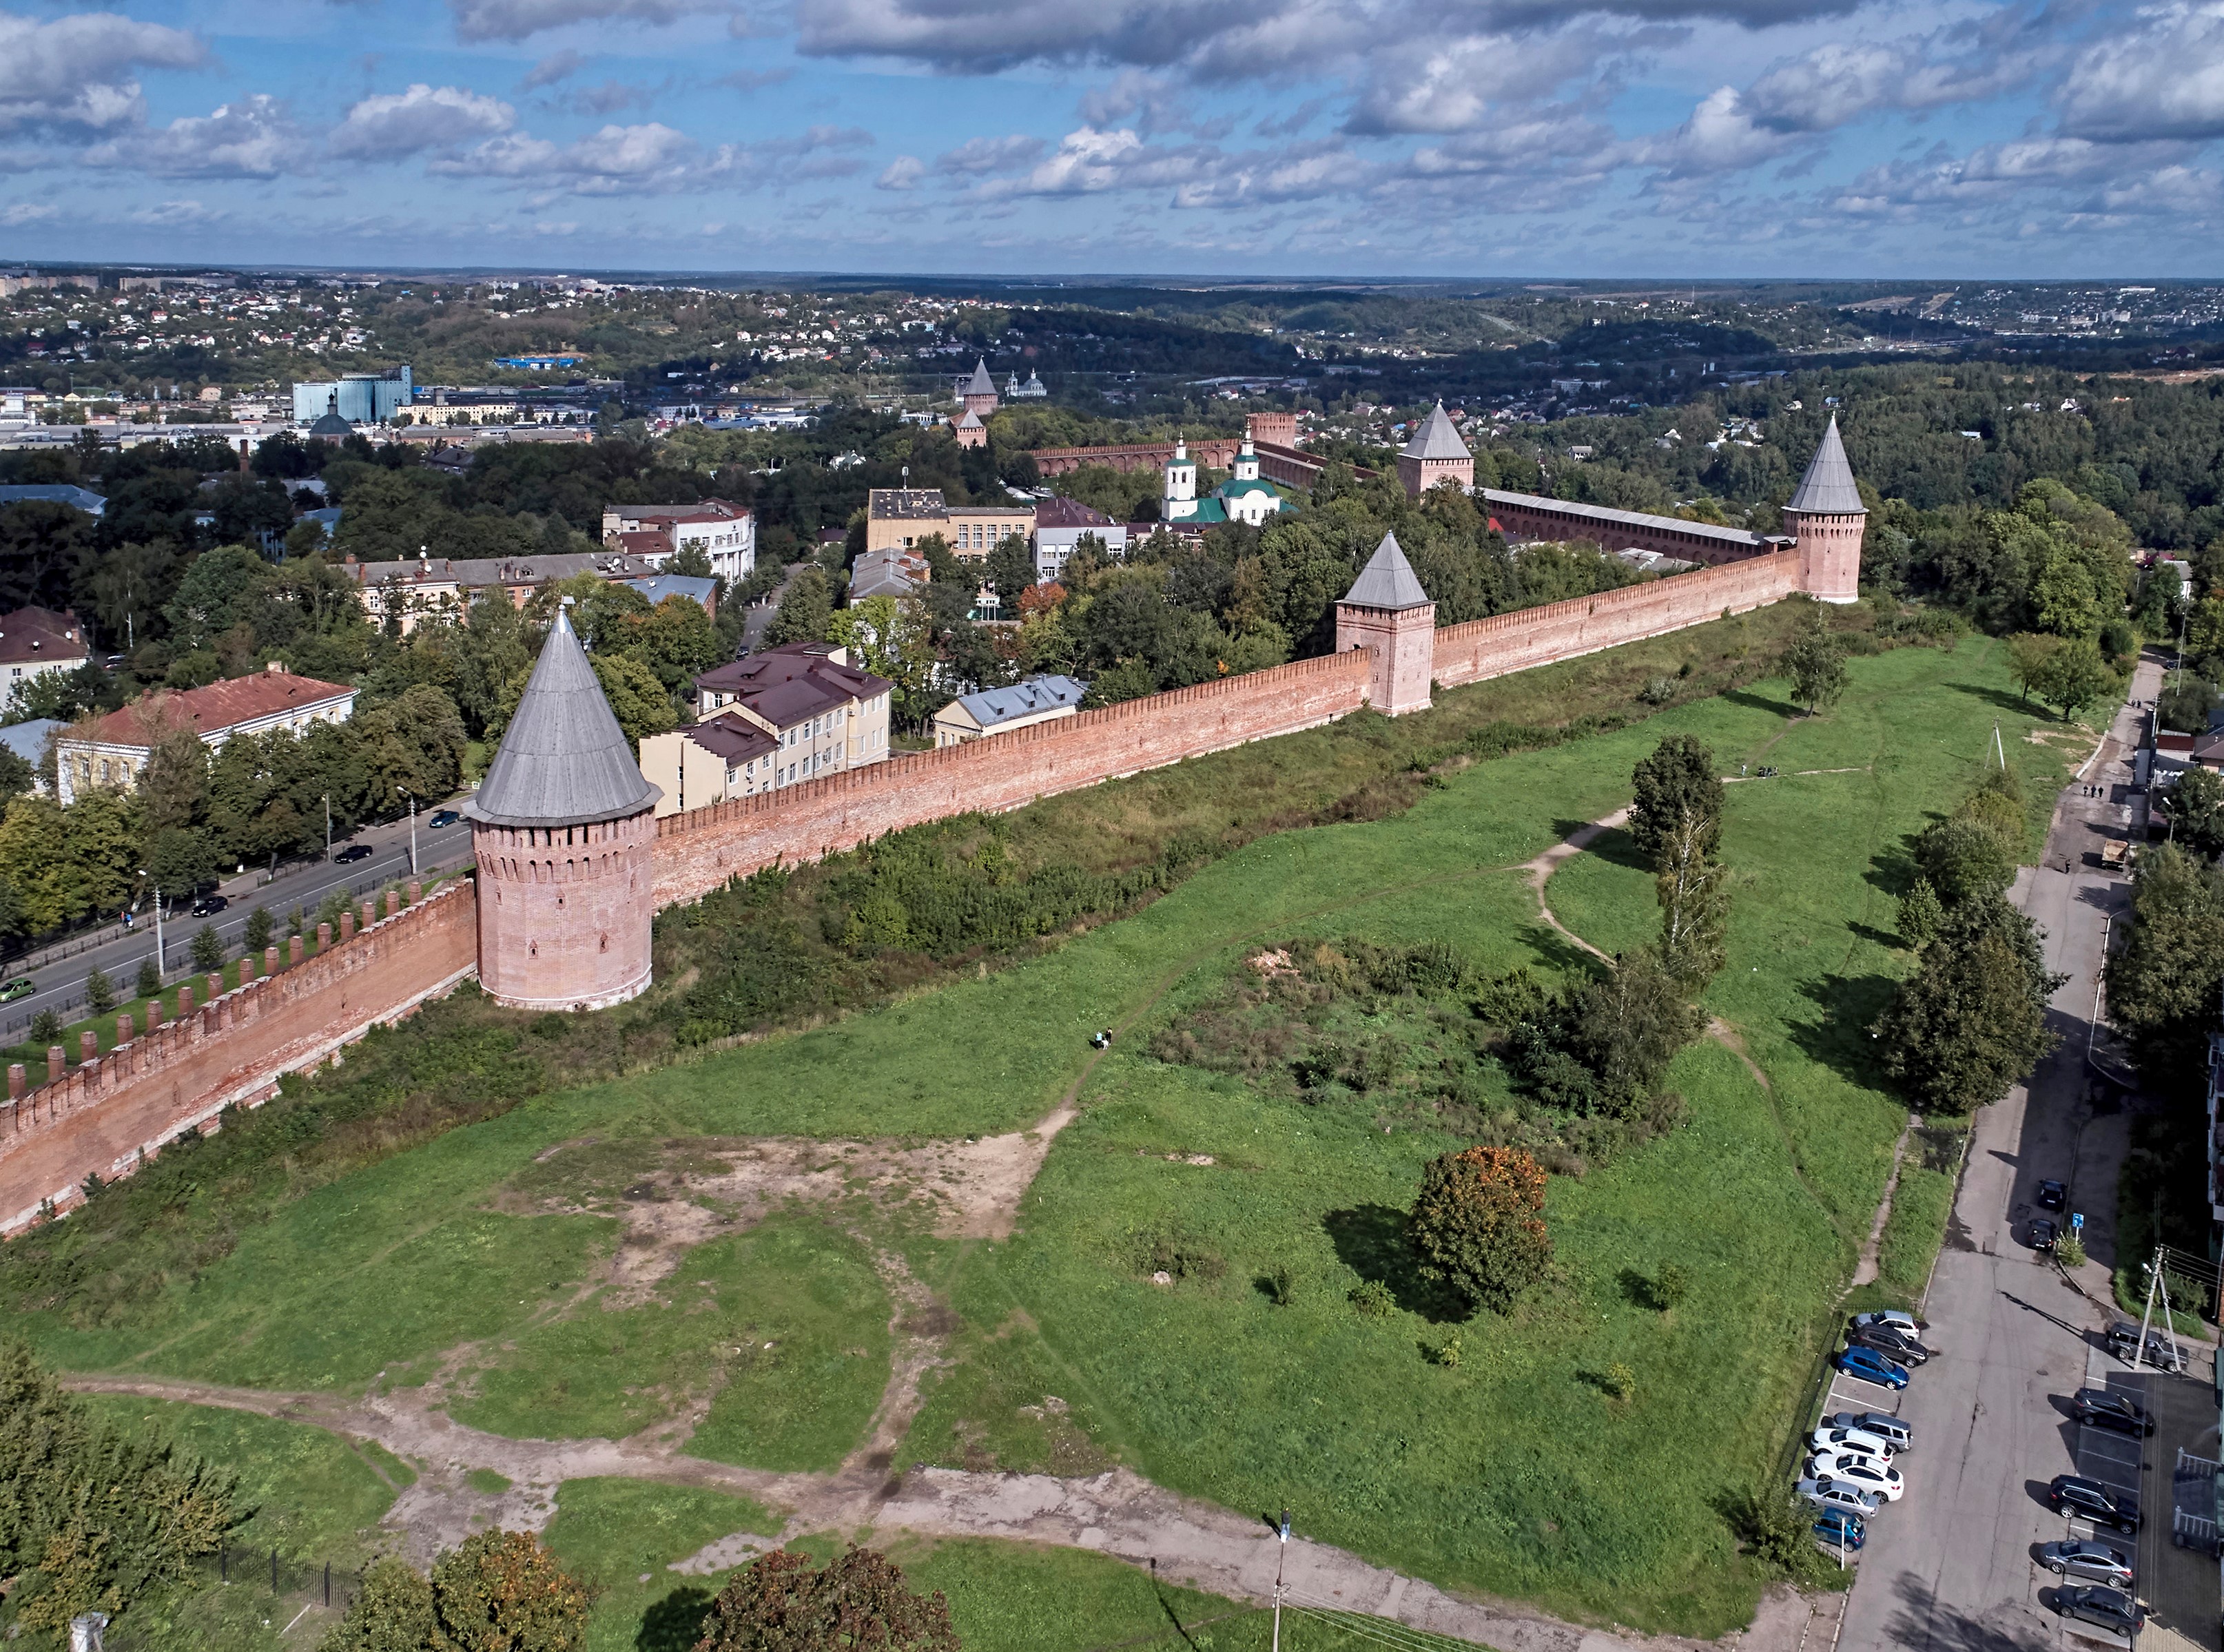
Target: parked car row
(1883,1347)
(1850,1472)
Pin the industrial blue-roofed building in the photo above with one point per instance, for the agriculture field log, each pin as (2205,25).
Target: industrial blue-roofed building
(359,398)
(55,493)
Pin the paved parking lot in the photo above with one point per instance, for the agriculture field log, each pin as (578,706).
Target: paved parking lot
(1953,1565)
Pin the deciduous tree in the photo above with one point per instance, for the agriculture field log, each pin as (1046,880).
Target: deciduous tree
(1816,663)
(858,1602)
(1478,1226)
(1971,1021)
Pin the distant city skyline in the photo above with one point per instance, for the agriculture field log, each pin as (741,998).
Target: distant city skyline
(1646,138)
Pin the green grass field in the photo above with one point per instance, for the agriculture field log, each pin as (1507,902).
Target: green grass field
(1513,1472)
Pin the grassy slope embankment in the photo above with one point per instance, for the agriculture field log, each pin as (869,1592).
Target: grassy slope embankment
(1511,1473)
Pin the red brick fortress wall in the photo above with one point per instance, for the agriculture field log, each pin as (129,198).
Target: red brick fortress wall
(697,851)
(1584,625)
(100,1116)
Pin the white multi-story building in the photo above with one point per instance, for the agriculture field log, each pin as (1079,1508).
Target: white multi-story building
(726,532)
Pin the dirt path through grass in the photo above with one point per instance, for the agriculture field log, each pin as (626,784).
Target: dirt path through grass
(1117,1513)
(1865,1270)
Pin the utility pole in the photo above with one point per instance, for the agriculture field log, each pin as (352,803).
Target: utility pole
(328,825)
(413,827)
(1998,749)
(2154,1282)
(161,960)
(1280,1561)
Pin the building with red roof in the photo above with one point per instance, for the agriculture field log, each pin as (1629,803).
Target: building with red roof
(112,750)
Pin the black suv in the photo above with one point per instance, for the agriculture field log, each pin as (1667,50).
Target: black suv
(2111,1609)
(2073,1494)
(1888,1342)
(2106,1411)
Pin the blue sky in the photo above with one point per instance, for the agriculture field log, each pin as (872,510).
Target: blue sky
(1954,139)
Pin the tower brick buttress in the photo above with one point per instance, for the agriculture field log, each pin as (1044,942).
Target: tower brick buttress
(1403,641)
(564,912)
(1829,547)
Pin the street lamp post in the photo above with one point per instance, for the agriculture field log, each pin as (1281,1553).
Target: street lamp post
(328,825)
(161,963)
(412,796)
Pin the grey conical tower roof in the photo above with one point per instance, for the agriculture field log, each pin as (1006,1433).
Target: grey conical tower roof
(1436,439)
(564,760)
(981,384)
(1387,580)
(1828,488)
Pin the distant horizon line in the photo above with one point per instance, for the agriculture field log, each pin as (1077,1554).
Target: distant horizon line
(1049,280)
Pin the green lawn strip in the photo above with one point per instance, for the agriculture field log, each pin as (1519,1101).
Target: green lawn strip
(781,1330)
(611,1534)
(1028,1597)
(235,1617)
(304,1490)
(1914,1231)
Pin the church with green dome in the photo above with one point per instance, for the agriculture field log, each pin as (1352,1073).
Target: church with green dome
(1244,497)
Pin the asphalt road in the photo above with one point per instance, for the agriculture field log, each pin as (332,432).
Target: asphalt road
(303,883)
(1953,1565)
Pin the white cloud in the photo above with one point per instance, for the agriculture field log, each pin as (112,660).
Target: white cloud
(76,73)
(390,125)
(902,173)
(176,215)
(649,159)
(24,212)
(985,155)
(556,66)
(517,20)
(1722,136)
(2161,77)
(1447,84)
(251,138)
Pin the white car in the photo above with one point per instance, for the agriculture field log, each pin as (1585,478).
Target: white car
(1853,1440)
(1871,1474)
(1836,1494)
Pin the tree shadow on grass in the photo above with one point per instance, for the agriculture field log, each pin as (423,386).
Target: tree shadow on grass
(1558,952)
(1998,698)
(675,1623)
(1754,702)
(1894,870)
(1618,846)
(1370,1240)
(1841,1039)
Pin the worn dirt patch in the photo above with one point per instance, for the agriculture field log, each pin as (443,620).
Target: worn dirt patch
(673,1197)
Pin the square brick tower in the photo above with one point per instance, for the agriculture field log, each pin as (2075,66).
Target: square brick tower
(1826,519)
(1435,452)
(1386,610)
(979,394)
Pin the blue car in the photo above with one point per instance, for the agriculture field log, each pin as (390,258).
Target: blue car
(1842,1529)
(1872,1367)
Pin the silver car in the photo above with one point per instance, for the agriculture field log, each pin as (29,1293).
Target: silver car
(1826,1493)
(2088,1563)
(1884,1426)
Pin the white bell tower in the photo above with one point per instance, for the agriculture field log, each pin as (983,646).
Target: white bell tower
(1180,500)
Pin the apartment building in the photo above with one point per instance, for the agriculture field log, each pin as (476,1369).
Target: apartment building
(770,719)
(114,749)
(723,532)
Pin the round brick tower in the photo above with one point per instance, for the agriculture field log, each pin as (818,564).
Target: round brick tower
(1827,518)
(563,826)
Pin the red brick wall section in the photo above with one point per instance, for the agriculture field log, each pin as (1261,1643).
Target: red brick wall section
(1582,625)
(697,851)
(100,1117)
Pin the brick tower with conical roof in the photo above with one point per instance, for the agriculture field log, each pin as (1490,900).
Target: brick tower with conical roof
(1386,610)
(563,826)
(1826,519)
